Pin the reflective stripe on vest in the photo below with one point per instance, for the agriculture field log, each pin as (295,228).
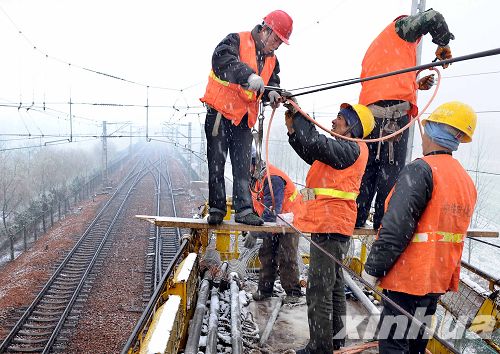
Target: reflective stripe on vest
(438,236)
(335,193)
(231,99)
(431,262)
(294,195)
(329,199)
(250,94)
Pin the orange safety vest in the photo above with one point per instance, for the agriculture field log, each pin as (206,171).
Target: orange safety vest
(291,200)
(431,262)
(389,52)
(232,100)
(333,210)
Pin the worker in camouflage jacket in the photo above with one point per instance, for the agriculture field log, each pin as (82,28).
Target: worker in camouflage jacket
(393,100)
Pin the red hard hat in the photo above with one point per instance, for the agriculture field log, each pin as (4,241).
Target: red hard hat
(281,24)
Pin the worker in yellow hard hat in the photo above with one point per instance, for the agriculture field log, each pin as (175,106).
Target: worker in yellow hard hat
(328,212)
(417,255)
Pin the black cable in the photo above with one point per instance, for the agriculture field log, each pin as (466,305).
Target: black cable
(482,54)
(484,172)
(488,243)
(33,46)
(444,77)
(326,83)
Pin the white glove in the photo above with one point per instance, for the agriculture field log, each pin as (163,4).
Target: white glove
(274,99)
(250,241)
(255,83)
(370,279)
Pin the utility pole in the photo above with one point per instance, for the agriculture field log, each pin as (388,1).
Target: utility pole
(189,152)
(417,6)
(130,140)
(202,151)
(104,159)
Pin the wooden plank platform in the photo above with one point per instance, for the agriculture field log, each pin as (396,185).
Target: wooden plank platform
(227,225)
(231,225)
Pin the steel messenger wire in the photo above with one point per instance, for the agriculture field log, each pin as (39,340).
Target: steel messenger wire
(476,55)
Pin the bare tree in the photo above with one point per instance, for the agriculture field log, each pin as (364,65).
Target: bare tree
(484,186)
(10,198)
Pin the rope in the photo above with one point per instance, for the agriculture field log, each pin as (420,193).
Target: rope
(411,122)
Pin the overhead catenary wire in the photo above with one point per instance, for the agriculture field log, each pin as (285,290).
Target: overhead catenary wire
(487,243)
(46,144)
(476,55)
(97,72)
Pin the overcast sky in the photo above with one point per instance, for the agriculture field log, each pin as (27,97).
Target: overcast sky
(169,44)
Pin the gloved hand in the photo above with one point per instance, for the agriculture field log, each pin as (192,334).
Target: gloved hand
(289,106)
(426,82)
(274,99)
(444,53)
(255,83)
(250,241)
(370,279)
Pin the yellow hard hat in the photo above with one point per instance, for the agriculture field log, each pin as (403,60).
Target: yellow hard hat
(365,117)
(457,115)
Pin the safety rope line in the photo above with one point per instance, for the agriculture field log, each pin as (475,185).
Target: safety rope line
(427,330)
(482,54)
(410,123)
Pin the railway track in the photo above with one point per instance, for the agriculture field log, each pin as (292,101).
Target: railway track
(163,242)
(44,325)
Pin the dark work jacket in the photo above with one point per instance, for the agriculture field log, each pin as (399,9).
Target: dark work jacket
(279,193)
(227,66)
(410,197)
(310,145)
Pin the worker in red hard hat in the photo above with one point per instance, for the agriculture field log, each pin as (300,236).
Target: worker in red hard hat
(242,64)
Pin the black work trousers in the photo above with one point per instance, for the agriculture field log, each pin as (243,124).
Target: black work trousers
(238,140)
(326,303)
(397,334)
(380,174)
(279,250)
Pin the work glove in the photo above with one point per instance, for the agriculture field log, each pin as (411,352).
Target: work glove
(442,53)
(274,99)
(250,241)
(255,83)
(426,82)
(289,106)
(370,279)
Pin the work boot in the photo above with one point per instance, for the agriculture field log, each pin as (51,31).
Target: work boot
(249,219)
(259,295)
(215,218)
(295,297)
(303,351)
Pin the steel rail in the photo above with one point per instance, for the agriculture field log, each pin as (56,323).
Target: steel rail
(72,256)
